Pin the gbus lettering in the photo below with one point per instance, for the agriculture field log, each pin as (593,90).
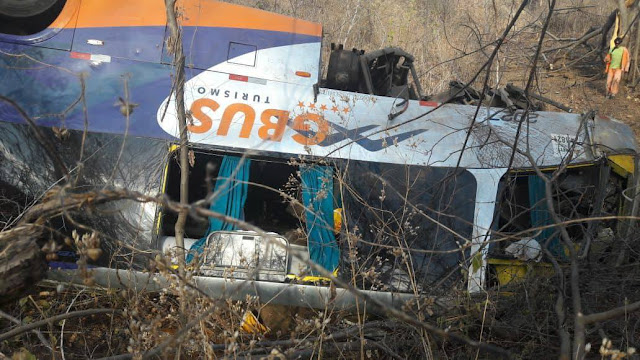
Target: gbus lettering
(272,127)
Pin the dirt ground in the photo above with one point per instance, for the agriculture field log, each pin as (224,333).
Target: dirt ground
(583,88)
(584,94)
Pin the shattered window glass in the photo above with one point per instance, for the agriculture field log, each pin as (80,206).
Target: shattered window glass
(408,225)
(272,256)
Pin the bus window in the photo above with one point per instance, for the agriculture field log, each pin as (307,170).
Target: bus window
(579,193)
(390,208)
(264,205)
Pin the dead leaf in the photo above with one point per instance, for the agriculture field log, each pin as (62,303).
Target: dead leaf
(192,158)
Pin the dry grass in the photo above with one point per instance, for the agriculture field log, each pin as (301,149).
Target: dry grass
(436,31)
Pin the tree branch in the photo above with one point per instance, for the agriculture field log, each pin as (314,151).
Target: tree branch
(611,314)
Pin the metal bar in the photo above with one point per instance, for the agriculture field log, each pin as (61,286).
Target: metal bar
(539,97)
(367,76)
(603,179)
(416,81)
(318,297)
(635,208)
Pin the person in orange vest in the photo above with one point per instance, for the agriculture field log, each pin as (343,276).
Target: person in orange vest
(617,61)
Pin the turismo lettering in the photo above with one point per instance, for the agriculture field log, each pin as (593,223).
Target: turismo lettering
(237,95)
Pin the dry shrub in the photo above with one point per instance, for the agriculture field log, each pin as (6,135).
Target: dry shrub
(435,31)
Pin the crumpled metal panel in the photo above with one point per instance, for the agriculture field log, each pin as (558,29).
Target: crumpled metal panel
(108,160)
(612,136)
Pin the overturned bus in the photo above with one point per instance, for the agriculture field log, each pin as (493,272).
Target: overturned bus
(356,172)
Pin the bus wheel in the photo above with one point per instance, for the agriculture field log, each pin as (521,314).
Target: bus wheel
(25,17)
(25,8)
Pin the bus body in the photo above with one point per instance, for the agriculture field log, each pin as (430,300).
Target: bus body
(411,174)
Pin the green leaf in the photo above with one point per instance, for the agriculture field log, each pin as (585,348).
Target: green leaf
(476,262)
(23,302)
(23,354)
(44,304)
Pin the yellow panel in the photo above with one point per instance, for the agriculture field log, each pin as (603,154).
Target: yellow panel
(514,271)
(622,164)
(163,187)
(549,169)
(313,279)
(251,324)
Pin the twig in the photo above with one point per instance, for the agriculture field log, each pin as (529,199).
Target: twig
(41,337)
(565,66)
(264,346)
(34,325)
(172,339)
(560,309)
(581,40)
(579,331)
(178,63)
(64,322)
(610,314)
(575,8)
(335,347)
(59,166)
(85,118)
(128,108)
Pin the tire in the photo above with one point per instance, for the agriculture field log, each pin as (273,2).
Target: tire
(25,8)
(24,17)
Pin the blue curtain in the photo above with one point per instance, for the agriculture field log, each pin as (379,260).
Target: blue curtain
(540,215)
(231,190)
(317,195)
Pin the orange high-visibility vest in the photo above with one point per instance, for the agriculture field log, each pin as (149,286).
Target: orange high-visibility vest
(625,61)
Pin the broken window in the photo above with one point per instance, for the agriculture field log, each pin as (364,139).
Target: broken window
(294,201)
(408,225)
(264,207)
(579,193)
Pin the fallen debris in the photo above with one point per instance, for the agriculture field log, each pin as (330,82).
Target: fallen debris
(510,97)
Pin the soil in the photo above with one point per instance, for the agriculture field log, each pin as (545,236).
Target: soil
(584,94)
(583,88)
